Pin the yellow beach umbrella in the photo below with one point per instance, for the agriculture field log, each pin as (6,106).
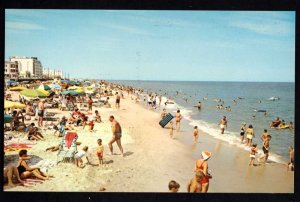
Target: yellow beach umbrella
(10,104)
(74,87)
(80,90)
(17,88)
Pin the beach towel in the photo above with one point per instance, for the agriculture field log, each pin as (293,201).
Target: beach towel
(30,182)
(16,147)
(69,138)
(22,140)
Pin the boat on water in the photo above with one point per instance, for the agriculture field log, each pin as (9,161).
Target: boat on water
(274,98)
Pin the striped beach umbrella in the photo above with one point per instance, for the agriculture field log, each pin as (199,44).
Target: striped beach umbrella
(43,87)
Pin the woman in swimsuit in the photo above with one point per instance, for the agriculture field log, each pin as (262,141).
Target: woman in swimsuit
(195,186)
(242,134)
(250,135)
(25,171)
(178,119)
(201,165)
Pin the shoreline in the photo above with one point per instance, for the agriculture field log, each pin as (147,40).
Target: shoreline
(148,147)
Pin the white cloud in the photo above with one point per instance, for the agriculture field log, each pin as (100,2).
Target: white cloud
(269,28)
(22,26)
(265,22)
(130,30)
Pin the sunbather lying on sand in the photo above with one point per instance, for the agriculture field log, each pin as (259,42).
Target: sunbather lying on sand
(56,148)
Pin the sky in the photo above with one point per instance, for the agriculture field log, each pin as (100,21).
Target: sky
(157,45)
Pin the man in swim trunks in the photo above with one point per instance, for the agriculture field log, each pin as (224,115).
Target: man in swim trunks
(223,124)
(117,134)
(41,109)
(118,98)
(195,185)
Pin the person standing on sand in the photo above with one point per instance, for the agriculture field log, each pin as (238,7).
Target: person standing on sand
(196,134)
(117,134)
(173,186)
(159,99)
(249,135)
(265,148)
(253,151)
(223,124)
(163,114)
(41,109)
(242,134)
(90,104)
(201,165)
(118,99)
(195,186)
(171,129)
(178,118)
(292,160)
(100,151)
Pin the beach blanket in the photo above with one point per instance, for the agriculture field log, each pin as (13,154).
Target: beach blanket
(16,147)
(30,182)
(69,138)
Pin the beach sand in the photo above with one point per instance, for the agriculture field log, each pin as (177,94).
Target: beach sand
(152,159)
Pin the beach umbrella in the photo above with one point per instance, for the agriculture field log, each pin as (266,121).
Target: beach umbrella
(43,87)
(74,88)
(55,86)
(10,104)
(35,93)
(7,118)
(17,88)
(70,92)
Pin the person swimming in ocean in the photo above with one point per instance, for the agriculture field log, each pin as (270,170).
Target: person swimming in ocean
(198,105)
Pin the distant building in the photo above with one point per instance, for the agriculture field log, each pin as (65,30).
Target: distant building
(52,73)
(11,70)
(28,66)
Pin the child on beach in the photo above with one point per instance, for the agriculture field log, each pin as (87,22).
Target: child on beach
(78,157)
(100,150)
(196,134)
(173,186)
(171,129)
(252,154)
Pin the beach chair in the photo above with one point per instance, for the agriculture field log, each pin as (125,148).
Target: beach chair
(68,147)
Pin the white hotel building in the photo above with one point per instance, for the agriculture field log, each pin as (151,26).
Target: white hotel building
(28,66)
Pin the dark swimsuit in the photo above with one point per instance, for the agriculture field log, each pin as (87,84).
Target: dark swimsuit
(21,168)
(242,132)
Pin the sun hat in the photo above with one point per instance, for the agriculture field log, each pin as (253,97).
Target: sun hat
(206,155)
(244,123)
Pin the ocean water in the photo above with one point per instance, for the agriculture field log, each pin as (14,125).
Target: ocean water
(255,97)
